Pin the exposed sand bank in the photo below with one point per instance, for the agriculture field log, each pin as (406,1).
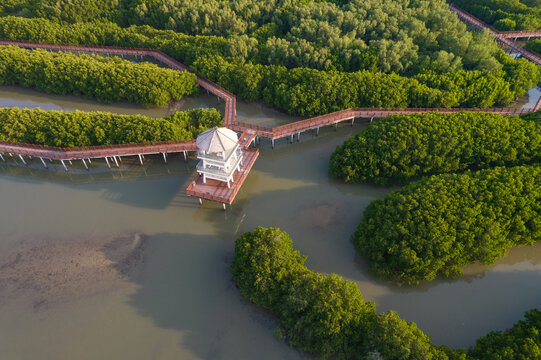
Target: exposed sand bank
(50,271)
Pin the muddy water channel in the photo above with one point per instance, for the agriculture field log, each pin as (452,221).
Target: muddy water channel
(158,284)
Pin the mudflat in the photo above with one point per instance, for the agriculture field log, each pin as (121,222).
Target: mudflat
(51,271)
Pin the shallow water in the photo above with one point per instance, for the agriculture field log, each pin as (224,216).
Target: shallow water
(255,113)
(185,305)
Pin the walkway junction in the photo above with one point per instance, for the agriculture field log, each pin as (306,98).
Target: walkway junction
(216,188)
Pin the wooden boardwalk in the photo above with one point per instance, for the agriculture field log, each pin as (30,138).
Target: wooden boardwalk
(504,37)
(315,123)
(520,34)
(217,191)
(111,153)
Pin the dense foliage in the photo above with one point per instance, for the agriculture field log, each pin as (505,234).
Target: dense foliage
(322,314)
(71,129)
(521,342)
(301,90)
(326,315)
(433,226)
(534,45)
(103,78)
(389,35)
(401,147)
(505,15)
(533,116)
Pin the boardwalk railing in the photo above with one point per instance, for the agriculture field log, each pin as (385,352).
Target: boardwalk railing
(231,101)
(353,113)
(92,152)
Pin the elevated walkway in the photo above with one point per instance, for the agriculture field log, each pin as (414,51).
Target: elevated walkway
(215,190)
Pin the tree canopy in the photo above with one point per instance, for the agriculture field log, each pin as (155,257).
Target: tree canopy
(327,316)
(323,314)
(309,58)
(403,147)
(436,225)
(505,15)
(106,79)
(399,36)
(74,129)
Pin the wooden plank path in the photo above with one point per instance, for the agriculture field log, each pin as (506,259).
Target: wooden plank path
(520,34)
(315,123)
(111,153)
(214,190)
(504,37)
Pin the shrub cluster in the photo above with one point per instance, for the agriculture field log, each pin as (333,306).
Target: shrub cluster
(433,226)
(323,314)
(308,92)
(73,129)
(300,91)
(403,147)
(389,36)
(521,342)
(534,45)
(326,315)
(103,78)
(505,15)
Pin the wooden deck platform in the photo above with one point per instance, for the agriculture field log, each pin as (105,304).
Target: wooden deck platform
(218,191)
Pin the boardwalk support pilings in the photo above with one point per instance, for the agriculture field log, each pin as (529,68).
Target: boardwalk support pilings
(141,159)
(22,159)
(64,164)
(43,162)
(107,161)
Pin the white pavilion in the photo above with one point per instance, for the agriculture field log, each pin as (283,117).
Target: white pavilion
(220,154)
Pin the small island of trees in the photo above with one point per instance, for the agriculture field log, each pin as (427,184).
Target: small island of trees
(77,129)
(327,316)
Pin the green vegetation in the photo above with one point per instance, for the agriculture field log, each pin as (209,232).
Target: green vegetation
(521,342)
(327,316)
(322,314)
(433,226)
(308,92)
(505,15)
(72,129)
(259,65)
(403,147)
(397,36)
(103,78)
(534,45)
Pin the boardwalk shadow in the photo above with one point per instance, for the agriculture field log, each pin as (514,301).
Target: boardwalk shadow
(154,185)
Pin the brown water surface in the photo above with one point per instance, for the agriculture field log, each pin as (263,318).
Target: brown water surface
(184,304)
